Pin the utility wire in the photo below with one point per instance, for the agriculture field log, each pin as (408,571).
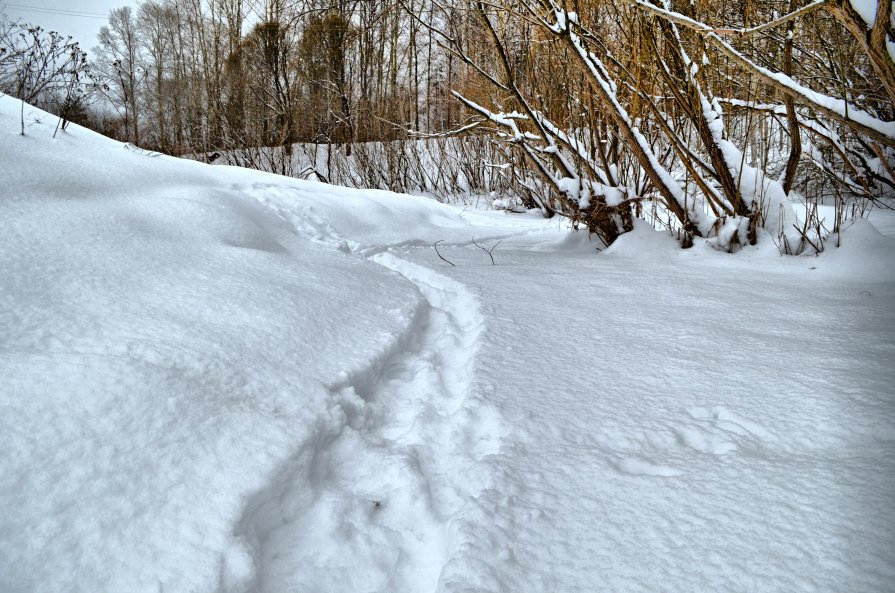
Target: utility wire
(54,9)
(61,12)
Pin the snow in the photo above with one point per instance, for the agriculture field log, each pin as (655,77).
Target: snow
(866,9)
(223,380)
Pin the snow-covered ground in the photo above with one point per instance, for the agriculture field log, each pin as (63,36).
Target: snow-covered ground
(214,379)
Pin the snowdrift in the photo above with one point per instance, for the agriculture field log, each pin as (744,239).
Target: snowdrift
(167,341)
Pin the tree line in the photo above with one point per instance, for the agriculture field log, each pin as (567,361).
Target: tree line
(196,76)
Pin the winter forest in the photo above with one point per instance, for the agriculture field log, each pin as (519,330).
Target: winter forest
(699,116)
(449,296)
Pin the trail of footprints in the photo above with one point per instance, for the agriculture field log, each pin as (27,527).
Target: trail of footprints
(394,461)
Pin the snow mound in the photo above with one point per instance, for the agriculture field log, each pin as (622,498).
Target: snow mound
(165,348)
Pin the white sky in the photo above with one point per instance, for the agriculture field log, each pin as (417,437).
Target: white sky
(81,19)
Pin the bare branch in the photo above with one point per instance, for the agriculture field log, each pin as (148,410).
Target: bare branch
(490,252)
(439,254)
(689,23)
(861,121)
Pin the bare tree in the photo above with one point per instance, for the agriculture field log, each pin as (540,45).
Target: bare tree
(118,65)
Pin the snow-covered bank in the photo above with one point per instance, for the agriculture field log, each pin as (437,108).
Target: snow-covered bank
(167,344)
(221,380)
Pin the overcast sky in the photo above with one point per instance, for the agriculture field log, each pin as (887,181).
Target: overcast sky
(81,19)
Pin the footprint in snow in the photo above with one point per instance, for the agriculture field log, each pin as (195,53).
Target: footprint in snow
(638,467)
(718,431)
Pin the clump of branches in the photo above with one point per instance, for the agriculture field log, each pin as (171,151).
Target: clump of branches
(714,111)
(43,68)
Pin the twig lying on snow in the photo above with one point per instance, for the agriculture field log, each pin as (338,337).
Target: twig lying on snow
(486,250)
(439,254)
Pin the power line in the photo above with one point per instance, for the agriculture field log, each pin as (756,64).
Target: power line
(55,11)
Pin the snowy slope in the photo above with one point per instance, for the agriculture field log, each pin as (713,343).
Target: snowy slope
(167,344)
(223,380)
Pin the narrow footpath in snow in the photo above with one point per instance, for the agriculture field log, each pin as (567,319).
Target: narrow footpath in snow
(375,500)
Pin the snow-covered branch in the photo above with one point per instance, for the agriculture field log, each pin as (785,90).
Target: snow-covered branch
(689,23)
(860,120)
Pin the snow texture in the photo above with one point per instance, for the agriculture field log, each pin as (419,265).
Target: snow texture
(222,380)
(867,10)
